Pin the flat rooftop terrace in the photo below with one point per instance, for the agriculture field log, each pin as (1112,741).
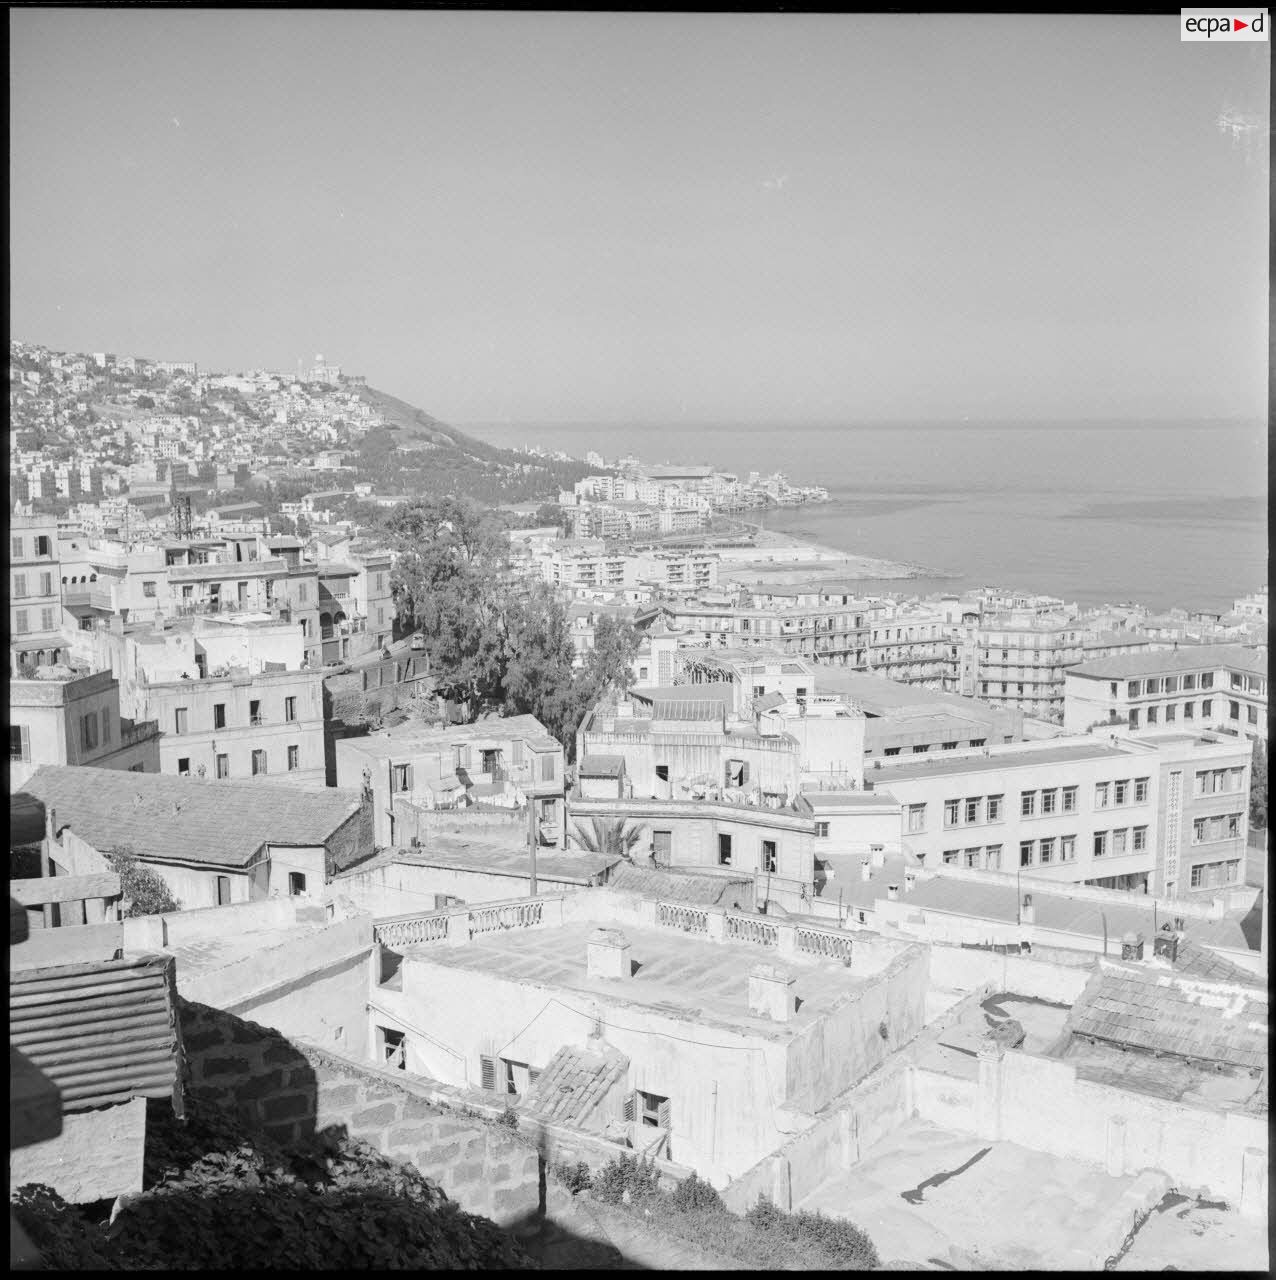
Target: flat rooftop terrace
(931,764)
(673,974)
(494,854)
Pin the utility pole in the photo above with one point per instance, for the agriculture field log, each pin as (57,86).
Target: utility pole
(533,839)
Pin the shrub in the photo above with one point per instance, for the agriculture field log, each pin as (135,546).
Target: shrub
(842,1241)
(509,1118)
(575,1177)
(66,1241)
(695,1194)
(148,893)
(629,1174)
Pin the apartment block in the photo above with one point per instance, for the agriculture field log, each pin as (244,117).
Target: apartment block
(35,592)
(1221,687)
(1114,812)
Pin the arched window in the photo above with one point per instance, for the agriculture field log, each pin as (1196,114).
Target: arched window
(93,577)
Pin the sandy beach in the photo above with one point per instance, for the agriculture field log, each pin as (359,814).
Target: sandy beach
(783,559)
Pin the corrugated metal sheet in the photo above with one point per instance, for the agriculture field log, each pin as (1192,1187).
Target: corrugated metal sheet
(103,1032)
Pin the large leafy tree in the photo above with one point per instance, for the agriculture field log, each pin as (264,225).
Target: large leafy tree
(610,662)
(1258,787)
(449,583)
(539,678)
(145,891)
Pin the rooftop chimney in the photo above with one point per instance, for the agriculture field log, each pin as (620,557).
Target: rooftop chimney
(607,954)
(771,993)
(892,892)
(866,871)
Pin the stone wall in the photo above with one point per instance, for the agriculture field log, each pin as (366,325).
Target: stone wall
(292,1090)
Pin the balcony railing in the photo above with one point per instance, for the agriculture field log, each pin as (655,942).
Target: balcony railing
(463,923)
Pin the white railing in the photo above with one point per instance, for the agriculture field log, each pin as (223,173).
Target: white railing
(509,915)
(817,942)
(688,919)
(748,929)
(408,931)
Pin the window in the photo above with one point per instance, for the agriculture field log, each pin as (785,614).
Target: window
(662,773)
(290,708)
(768,856)
(921,750)
(1251,714)
(1100,843)
(88,731)
(106,725)
(223,891)
(20,620)
(1047,851)
(1233,825)
(724,850)
(662,847)
(1027,803)
(1133,718)
(1140,841)
(950,812)
(19,585)
(1153,685)
(1140,790)
(1233,710)
(43,547)
(294,758)
(1207,680)
(184,766)
(1119,841)
(15,544)
(254,711)
(971,858)
(46,619)
(1207,708)
(950,857)
(19,740)
(1120,790)
(992,857)
(1198,876)
(994,808)
(223,766)
(1171,711)
(547,768)
(972,809)
(1152,715)
(1025,853)
(653,1110)
(148,590)
(822,830)
(891,751)
(1067,848)
(1171,684)
(219,715)
(259,762)
(46,584)
(179,720)
(1100,795)
(1189,711)
(1189,682)
(1049,800)
(916,817)
(949,746)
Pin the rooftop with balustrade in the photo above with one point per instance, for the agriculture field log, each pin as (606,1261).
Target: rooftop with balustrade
(687,961)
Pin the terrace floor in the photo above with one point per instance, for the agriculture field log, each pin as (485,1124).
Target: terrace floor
(1198,1235)
(926,1195)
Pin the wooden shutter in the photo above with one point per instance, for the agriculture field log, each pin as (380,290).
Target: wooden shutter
(744,773)
(631,1106)
(488,1072)
(662,1114)
(532,1076)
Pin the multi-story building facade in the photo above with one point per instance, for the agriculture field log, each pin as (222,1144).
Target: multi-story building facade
(35,592)
(1021,662)
(1117,812)
(1220,687)
(76,721)
(499,762)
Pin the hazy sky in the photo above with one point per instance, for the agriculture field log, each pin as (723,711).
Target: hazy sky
(647,216)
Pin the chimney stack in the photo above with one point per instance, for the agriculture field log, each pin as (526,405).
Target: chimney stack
(771,993)
(892,892)
(866,871)
(1132,946)
(607,954)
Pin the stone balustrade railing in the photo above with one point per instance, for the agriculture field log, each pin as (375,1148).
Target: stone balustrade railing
(783,937)
(457,925)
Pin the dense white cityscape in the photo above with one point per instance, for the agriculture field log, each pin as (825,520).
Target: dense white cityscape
(429,853)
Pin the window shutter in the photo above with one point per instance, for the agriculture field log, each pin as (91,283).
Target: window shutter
(744,773)
(662,1114)
(488,1073)
(532,1076)
(631,1106)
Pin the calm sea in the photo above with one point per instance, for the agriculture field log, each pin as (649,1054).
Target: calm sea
(1165,514)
